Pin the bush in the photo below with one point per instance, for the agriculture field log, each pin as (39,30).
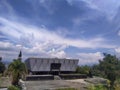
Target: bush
(97,87)
(83,69)
(66,89)
(13,88)
(117,84)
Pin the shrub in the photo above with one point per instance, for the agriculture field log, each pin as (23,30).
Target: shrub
(13,88)
(66,89)
(97,87)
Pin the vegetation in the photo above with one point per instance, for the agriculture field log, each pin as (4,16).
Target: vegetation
(96,87)
(2,67)
(13,88)
(83,69)
(108,67)
(67,89)
(17,70)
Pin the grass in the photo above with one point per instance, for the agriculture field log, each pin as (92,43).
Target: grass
(96,87)
(66,89)
(13,88)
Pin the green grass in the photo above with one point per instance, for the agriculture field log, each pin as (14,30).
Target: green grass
(96,87)
(13,88)
(66,89)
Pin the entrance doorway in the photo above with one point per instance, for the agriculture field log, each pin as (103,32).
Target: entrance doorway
(55,68)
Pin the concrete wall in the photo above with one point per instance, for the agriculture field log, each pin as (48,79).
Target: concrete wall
(43,64)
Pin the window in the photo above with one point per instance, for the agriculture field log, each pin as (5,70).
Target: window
(35,60)
(64,61)
(47,61)
(69,61)
(41,61)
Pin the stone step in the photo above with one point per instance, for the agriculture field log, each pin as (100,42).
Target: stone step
(56,77)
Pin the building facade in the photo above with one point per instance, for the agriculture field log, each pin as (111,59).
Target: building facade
(37,66)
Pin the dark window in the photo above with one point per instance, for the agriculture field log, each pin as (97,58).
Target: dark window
(64,61)
(41,61)
(55,65)
(47,61)
(35,60)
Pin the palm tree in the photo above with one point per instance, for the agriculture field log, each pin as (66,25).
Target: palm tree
(17,69)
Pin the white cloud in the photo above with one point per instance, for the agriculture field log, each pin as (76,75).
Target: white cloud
(27,34)
(56,53)
(109,7)
(89,58)
(9,51)
(118,33)
(117,50)
(70,1)
(39,41)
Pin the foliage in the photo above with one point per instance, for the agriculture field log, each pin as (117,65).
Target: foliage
(108,68)
(13,88)
(67,89)
(96,70)
(83,69)
(17,69)
(96,87)
(117,84)
(2,67)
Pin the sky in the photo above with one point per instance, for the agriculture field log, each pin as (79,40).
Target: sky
(80,29)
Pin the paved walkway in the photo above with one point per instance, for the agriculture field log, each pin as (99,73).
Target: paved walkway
(3,88)
(54,84)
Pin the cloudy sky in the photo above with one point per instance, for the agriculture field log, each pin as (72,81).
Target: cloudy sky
(82,29)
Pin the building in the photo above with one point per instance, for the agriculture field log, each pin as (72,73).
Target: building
(0,58)
(38,66)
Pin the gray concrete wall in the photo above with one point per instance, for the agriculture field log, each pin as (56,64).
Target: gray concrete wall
(43,64)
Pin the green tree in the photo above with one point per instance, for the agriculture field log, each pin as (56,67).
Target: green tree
(109,68)
(13,88)
(83,69)
(2,66)
(16,69)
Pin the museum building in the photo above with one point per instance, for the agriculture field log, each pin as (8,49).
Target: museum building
(38,66)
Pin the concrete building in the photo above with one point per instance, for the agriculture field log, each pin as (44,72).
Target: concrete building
(37,66)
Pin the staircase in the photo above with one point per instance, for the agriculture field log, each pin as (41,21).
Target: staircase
(56,77)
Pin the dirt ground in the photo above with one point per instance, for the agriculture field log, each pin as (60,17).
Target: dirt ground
(5,82)
(79,84)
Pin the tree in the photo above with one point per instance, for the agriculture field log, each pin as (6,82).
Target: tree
(109,68)
(2,66)
(83,69)
(16,69)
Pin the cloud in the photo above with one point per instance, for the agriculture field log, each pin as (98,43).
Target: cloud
(117,50)
(10,51)
(55,53)
(6,9)
(45,28)
(39,41)
(29,35)
(89,58)
(109,7)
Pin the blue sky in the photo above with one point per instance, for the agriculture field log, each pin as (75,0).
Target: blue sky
(82,29)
